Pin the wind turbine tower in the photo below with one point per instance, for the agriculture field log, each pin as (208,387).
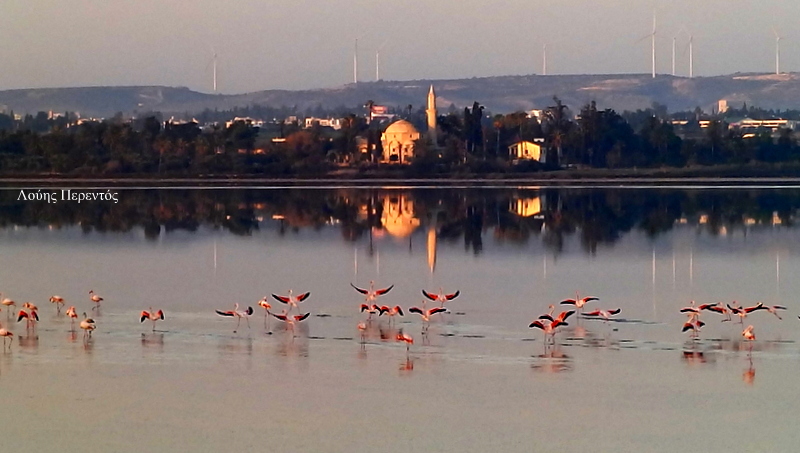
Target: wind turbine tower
(378,61)
(215,72)
(544,59)
(777,51)
(653,45)
(673,56)
(355,63)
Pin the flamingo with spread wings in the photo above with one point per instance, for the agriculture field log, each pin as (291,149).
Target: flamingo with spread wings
(152,316)
(291,300)
(235,313)
(441,297)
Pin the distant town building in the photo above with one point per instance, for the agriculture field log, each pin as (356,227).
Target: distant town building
(526,150)
(246,120)
(334,123)
(722,106)
(772,125)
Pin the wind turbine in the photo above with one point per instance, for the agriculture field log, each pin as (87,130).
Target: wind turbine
(690,48)
(355,63)
(213,64)
(652,37)
(544,59)
(378,60)
(673,56)
(777,51)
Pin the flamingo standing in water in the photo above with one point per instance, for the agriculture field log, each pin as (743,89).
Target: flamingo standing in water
(748,335)
(605,314)
(59,301)
(88,325)
(362,329)
(289,320)
(8,303)
(235,313)
(441,297)
(6,334)
(371,310)
(95,298)
(264,303)
(152,316)
(693,324)
(578,301)
(548,327)
(31,318)
(391,312)
(563,316)
(292,301)
(372,294)
(72,315)
(407,339)
(426,314)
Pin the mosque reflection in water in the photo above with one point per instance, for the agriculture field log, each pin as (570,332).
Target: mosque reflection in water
(515,215)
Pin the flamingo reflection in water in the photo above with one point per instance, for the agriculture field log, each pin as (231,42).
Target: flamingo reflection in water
(407,339)
(552,361)
(235,313)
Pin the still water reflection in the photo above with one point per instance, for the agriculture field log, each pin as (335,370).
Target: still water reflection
(510,252)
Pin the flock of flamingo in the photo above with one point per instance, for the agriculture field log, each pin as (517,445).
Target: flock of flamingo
(693,324)
(291,315)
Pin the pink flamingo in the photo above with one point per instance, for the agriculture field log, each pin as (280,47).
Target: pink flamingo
(235,313)
(152,316)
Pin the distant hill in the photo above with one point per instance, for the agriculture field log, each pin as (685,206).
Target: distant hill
(499,94)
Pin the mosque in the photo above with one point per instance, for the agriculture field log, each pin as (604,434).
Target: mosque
(398,139)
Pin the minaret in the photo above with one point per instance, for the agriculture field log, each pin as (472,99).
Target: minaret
(431,112)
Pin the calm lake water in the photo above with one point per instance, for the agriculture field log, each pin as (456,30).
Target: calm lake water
(479,380)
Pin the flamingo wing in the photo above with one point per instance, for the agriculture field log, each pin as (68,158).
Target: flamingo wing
(224,313)
(249,311)
(547,317)
(301,317)
(565,315)
(428,295)
(452,296)
(557,323)
(144,315)
(35,315)
(538,324)
(21,315)
(688,326)
(435,310)
(416,310)
(383,310)
(281,299)
(281,317)
(364,307)
(160,314)
(383,291)
(593,313)
(398,310)
(615,311)
(760,306)
(361,290)
(569,302)
(303,296)
(589,299)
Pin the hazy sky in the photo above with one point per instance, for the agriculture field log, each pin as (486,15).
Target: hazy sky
(269,44)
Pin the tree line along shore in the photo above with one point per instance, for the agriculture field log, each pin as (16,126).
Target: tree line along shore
(470,144)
